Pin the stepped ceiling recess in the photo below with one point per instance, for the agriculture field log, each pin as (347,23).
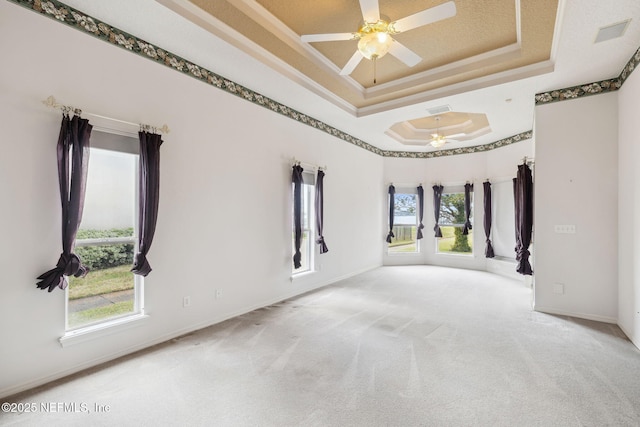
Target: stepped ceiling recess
(482,66)
(481,39)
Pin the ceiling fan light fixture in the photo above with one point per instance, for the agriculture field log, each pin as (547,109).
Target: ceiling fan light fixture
(374,44)
(438,141)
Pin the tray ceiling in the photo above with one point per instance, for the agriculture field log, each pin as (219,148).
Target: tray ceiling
(492,40)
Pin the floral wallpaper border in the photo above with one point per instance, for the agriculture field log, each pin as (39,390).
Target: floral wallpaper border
(76,19)
(595,88)
(464,150)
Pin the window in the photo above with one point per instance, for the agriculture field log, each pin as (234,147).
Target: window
(452,219)
(405,223)
(107,236)
(502,232)
(307,248)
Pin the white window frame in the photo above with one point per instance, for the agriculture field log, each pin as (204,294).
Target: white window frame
(409,191)
(456,190)
(308,204)
(113,324)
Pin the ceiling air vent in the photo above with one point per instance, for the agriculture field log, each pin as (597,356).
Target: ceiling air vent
(439,110)
(612,31)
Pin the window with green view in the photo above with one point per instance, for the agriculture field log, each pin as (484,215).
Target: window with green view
(107,236)
(452,219)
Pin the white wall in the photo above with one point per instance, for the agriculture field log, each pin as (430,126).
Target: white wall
(222,151)
(496,165)
(502,167)
(576,183)
(629,208)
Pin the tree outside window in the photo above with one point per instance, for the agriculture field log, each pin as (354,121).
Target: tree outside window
(452,219)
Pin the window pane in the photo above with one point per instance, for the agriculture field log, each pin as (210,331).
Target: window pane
(108,290)
(308,221)
(111,191)
(453,241)
(452,209)
(452,219)
(404,224)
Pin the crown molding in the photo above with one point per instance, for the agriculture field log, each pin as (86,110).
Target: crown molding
(78,20)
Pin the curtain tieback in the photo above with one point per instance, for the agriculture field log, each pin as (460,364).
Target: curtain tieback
(421,226)
(141,265)
(68,265)
(323,245)
(524,254)
(71,265)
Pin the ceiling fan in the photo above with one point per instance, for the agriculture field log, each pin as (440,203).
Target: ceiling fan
(374,35)
(438,139)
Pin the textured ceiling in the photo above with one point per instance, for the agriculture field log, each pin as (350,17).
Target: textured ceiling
(483,38)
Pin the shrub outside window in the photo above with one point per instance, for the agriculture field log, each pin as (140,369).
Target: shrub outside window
(107,238)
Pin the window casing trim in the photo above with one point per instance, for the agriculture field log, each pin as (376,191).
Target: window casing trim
(101,329)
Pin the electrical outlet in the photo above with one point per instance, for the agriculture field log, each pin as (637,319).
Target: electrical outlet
(218,293)
(186,301)
(558,288)
(565,229)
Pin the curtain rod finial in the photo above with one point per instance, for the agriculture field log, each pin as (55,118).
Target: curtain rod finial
(50,101)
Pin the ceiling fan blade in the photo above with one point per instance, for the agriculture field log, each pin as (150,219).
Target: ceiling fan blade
(352,64)
(370,10)
(311,38)
(428,16)
(453,136)
(404,54)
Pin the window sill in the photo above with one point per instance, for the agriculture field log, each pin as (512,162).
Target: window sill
(402,253)
(93,332)
(459,255)
(299,276)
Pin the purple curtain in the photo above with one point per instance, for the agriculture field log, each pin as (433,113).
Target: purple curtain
(468,188)
(488,252)
(392,207)
(437,199)
(73,160)
(296,178)
(149,197)
(523,197)
(320,211)
(420,210)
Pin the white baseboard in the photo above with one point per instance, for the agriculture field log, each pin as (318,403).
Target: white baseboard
(504,267)
(596,317)
(634,342)
(27,385)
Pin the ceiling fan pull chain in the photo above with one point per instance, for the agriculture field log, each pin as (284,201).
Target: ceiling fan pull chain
(374,57)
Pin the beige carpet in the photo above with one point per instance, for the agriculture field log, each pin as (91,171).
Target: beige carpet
(397,346)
